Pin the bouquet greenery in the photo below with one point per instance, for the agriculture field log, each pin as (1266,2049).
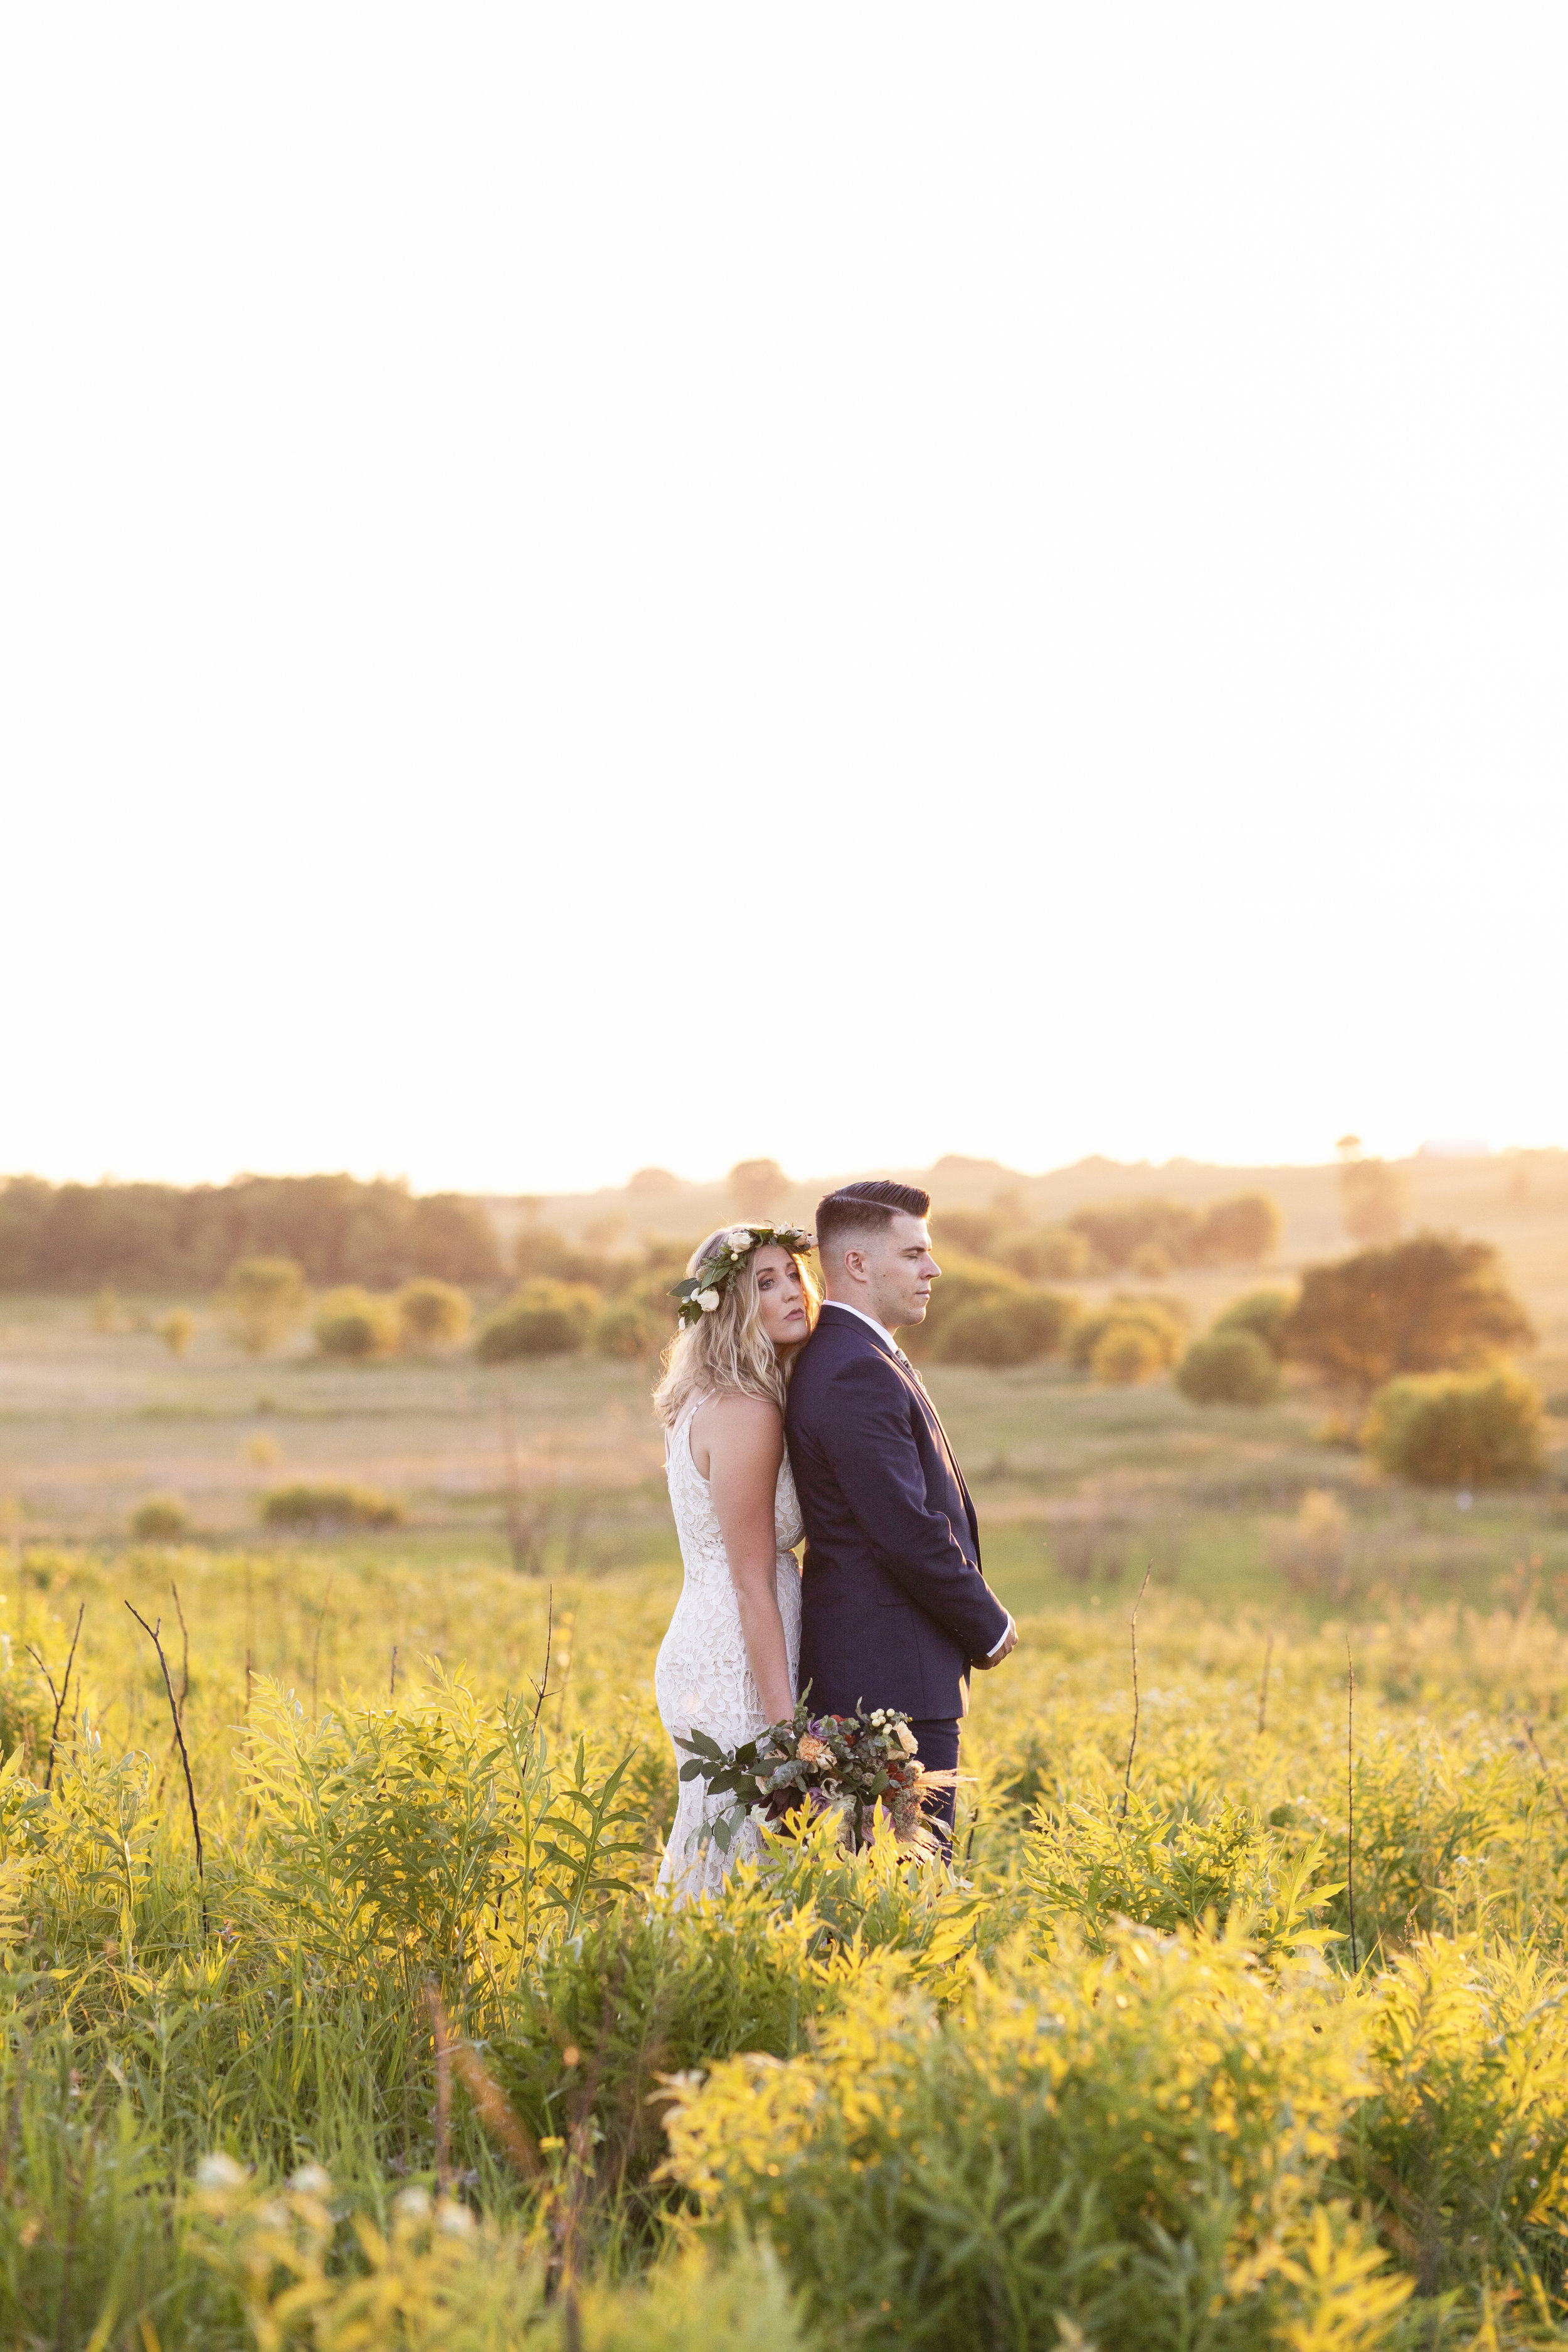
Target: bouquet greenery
(851,1764)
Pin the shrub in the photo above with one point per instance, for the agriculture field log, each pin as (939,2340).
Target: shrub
(1228,1367)
(177,1329)
(162,1519)
(1264,1313)
(1240,1232)
(632,1328)
(261,1301)
(1459,2149)
(326,1507)
(1092,2151)
(1044,1252)
(1433,1305)
(1012,1331)
(1126,1353)
(973,1231)
(1168,1866)
(540,1254)
(965,1282)
(1445,1429)
(432,1314)
(353,1326)
(1162,1318)
(1231,1233)
(1119,1227)
(451,1239)
(1150,1260)
(544,1317)
(1311,1552)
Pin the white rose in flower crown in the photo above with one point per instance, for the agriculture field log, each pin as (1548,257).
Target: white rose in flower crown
(708,1300)
(740,1237)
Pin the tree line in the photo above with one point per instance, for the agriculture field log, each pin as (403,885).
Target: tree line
(169,1236)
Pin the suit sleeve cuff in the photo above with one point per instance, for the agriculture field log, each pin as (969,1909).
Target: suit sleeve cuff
(991,1653)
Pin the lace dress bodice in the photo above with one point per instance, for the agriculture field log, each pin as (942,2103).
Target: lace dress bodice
(702,1676)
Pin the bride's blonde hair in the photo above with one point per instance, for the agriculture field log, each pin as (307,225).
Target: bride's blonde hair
(729,1351)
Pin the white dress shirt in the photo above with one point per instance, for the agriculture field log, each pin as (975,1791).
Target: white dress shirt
(883,1333)
(870,1320)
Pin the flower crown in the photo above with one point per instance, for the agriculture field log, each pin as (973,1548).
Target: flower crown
(700,1293)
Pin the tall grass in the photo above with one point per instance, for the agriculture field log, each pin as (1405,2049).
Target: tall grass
(440,2069)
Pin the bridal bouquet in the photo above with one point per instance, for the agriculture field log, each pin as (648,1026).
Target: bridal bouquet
(847,1764)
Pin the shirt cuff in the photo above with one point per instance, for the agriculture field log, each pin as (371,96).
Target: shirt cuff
(991,1653)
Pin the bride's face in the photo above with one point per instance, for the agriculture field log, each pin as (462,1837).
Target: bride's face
(781,1297)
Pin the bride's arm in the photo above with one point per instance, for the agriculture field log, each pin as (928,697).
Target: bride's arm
(743,1439)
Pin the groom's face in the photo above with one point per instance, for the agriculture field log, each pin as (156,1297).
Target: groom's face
(899,1270)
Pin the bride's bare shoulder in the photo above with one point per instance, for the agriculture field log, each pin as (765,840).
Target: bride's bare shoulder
(737,1425)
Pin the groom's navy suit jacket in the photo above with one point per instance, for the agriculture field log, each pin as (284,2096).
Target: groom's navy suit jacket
(894,1604)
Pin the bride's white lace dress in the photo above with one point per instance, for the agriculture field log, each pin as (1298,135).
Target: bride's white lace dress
(701,1676)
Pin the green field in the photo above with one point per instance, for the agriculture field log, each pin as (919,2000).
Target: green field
(1189,2050)
(1067,1476)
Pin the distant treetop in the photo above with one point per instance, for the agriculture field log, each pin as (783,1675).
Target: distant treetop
(155,1236)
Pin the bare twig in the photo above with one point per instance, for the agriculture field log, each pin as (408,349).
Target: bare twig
(1546,1770)
(185,1648)
(47,1677)
(64,1686)
(248,1682)
(566,1679)
(1133,1743)
(54,1694)
(1263,1686)
(392,1685)
(543,1686)
(316,1647)
(152,1632)
(526,1531)
(61,1695)
(1350,1793)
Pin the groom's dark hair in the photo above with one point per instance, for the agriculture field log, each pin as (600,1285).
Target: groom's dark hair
(867,1208)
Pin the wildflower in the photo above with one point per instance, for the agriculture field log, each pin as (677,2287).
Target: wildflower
(219,2171)
(310,2180)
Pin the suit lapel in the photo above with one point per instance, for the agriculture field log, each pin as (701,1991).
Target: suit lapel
(916,1388)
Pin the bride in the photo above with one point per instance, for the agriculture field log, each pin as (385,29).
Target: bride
(728,1662)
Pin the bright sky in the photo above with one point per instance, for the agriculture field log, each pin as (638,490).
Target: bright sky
(585,586)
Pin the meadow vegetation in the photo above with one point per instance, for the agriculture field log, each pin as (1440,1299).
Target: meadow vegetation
(1237,2023)
(412,2055)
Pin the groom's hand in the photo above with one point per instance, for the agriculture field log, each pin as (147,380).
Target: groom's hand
(1005,1648)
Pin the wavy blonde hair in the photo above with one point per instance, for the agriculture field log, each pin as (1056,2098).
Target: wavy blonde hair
(729,1352)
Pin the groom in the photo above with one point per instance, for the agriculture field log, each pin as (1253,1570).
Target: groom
(895,1609)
